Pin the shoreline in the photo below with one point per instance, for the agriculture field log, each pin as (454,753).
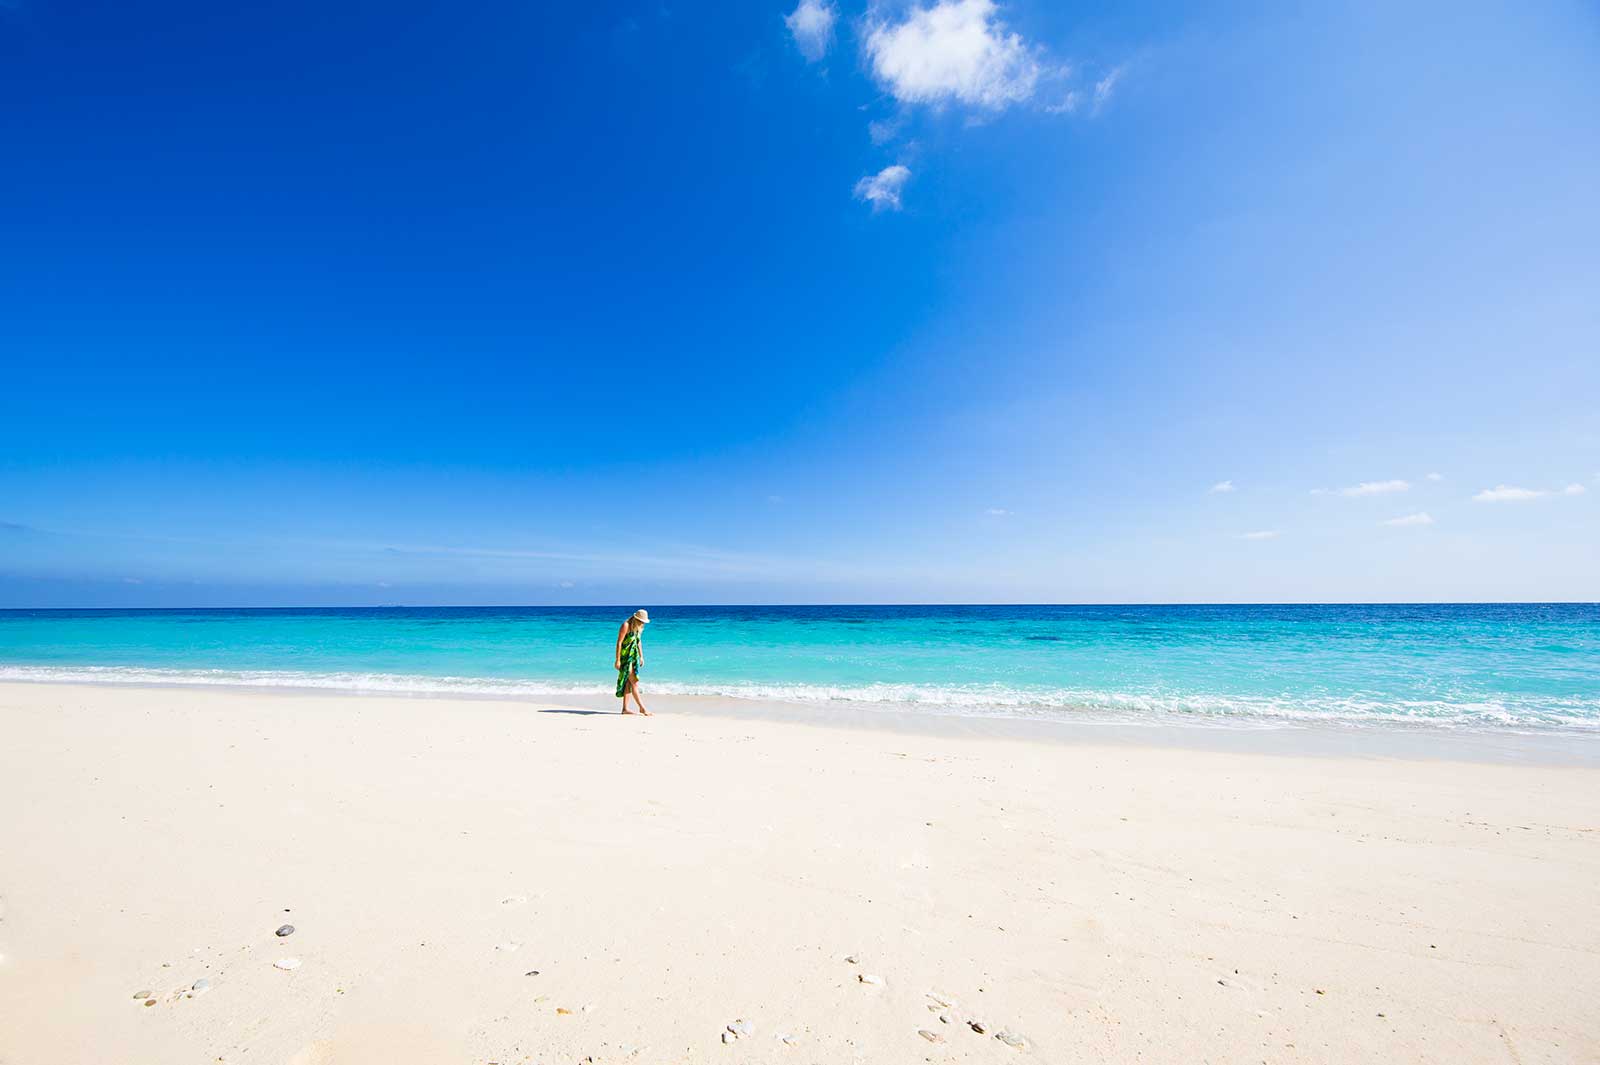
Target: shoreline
(1376,740)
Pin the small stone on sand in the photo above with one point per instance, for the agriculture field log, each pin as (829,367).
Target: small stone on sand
(142,994)
(1011,1039)
(728,1037)
(740,1028)
(149,1002)
(852,959)
(200,985)
(563,1011)
(284,930)
(869,978)
(287,964)
(976,1027)
(932,1037)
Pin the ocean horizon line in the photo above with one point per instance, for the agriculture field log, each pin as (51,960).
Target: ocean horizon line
(824,605)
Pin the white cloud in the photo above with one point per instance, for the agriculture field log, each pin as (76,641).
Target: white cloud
(811,25)
(883,130)
(1435,477)
(1505,493)
(1375,488)
(955,50)
(1069,104)
(1424,518)
(1105,87)
(882,189)
(1264,534)
(1222,486)
(998,512)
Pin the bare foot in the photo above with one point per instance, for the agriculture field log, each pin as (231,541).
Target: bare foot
(629,713)
(645,712)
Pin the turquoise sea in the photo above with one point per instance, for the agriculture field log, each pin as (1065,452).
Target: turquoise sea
(1524,667)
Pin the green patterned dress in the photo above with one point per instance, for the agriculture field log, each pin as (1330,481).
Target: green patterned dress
(630,656)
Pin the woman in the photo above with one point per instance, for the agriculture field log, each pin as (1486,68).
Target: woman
(630,656)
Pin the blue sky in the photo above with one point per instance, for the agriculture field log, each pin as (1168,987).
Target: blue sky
(958,301)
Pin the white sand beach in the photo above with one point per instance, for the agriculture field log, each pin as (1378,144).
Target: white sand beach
(479,881)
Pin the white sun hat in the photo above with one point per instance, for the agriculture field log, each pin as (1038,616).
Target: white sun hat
(643,616)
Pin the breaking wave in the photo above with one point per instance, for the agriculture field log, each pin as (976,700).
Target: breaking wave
(1529,715)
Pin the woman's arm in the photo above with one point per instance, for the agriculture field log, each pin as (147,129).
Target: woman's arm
(617,658)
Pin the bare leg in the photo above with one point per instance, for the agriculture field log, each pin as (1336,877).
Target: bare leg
(625,692)
(633,686)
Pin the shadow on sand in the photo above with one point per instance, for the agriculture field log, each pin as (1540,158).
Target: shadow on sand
(583,713)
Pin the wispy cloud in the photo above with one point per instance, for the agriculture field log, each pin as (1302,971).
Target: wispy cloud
(1105,87)
(12,526)
(811,24)
(954,51)
(1264,534)
(1068,105)
(1507,493)
(884,130)
(1421,518)
(1375,488)
(882,189)
(998,512)
(1221,487)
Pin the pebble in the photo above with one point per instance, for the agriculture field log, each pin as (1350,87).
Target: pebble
(286,964)
(976,1027)
(1011,1039)
(200,985)
(563,1011)
(869,978)
(149,1002)
(789,1040)
(740,1028)
(143,994)
(284,930)
(852,959)
(932,1037)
